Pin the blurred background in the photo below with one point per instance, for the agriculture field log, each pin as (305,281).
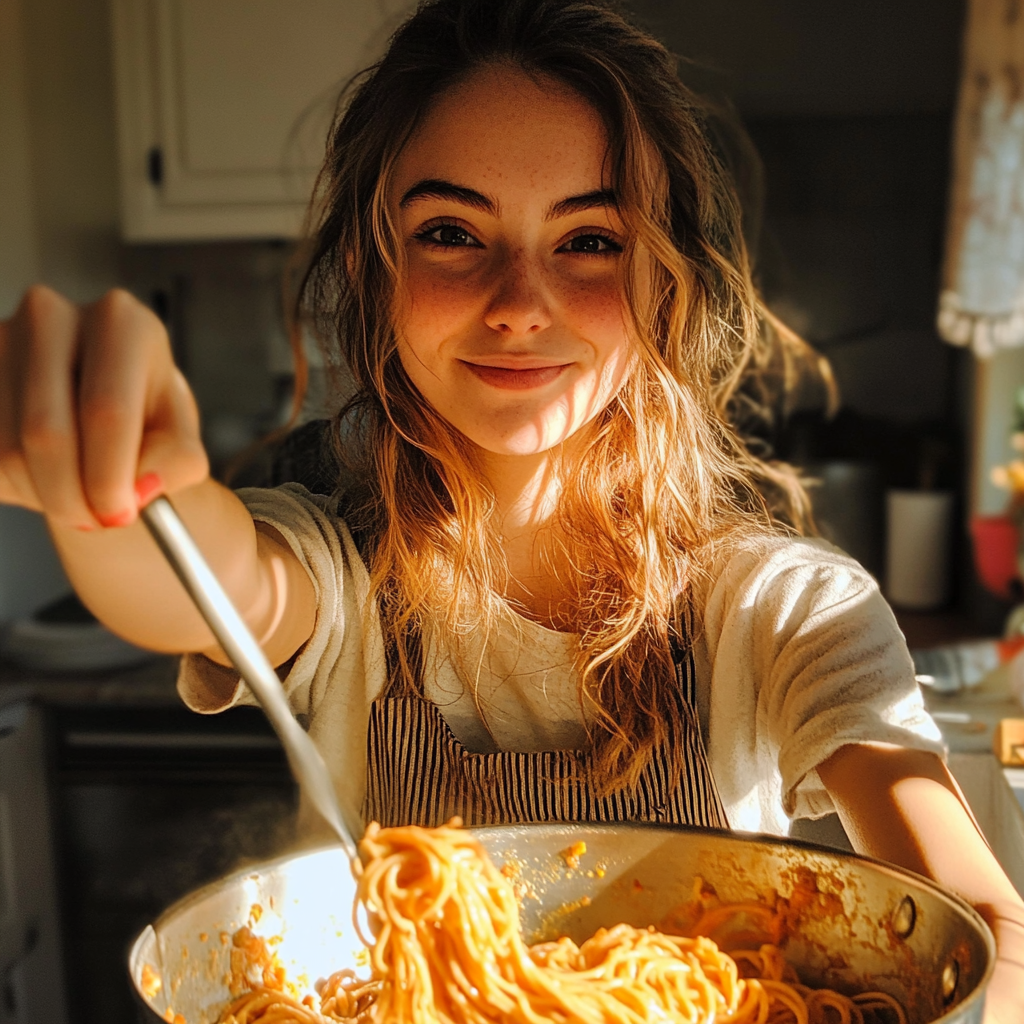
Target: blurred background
(169,146)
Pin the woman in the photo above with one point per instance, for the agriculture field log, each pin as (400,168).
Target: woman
(548,587)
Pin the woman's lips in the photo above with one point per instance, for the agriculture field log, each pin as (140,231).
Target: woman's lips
(516,379)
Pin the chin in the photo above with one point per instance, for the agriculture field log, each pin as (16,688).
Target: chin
(528,441)
(523,450)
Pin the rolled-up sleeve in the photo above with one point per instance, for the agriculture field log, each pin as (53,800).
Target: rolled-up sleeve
(339,671)
(313,536)
(805,656)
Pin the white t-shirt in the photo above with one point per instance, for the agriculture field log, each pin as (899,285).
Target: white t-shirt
(797,655)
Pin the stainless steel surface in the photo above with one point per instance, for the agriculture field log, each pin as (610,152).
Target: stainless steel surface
(864,925)
(247,656)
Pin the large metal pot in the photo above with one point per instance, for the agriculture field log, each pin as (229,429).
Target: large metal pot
(866,925)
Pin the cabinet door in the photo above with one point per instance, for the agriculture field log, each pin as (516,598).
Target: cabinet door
(31,986)
(224,105)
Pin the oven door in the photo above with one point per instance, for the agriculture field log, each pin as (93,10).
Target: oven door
(151,803)
(30,948)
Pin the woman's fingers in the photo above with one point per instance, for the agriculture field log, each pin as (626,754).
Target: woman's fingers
(123,355)
(44,332)
(13,477)
(15,483)
(95,419)
(172,456)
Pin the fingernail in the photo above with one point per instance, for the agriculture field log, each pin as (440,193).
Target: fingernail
(117,519)
(147,487)
(85,528)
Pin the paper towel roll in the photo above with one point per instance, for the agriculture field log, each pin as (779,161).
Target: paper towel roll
(917,548)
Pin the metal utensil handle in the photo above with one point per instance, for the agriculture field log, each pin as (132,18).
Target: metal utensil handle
(234,636)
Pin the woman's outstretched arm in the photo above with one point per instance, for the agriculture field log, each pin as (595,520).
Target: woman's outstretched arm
(903,806)
(95,419)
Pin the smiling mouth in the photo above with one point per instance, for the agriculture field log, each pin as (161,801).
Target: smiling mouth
(516,379)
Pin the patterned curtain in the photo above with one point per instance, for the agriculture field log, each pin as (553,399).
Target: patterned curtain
(982,299)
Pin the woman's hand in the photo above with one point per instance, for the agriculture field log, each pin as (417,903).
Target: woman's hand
(95,421)
(903,806)
(95,418)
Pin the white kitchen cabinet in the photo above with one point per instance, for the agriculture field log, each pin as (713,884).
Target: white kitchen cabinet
(223,107)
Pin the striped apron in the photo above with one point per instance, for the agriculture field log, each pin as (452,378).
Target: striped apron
(419,773)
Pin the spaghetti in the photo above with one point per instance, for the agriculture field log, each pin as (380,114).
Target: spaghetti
(447,949)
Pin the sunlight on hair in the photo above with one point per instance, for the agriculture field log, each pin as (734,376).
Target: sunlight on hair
(662,479)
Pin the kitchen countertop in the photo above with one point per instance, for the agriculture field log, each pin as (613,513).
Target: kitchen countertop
(151,684)
(967,719)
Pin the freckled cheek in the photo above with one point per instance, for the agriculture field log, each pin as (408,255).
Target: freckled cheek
(596,311)
(437,305)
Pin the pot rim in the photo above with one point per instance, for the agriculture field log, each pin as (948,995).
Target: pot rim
(893,871)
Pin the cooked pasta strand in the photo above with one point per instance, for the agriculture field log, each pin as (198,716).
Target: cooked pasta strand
(448,950)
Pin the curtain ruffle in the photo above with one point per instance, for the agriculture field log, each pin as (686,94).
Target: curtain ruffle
(982,300)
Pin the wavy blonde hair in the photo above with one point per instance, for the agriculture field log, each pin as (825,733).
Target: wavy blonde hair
(665,478)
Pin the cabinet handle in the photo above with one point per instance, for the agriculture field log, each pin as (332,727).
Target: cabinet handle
(170,741)
(155,165)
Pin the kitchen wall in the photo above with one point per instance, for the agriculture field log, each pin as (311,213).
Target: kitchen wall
(19,255)
(59,196)
(849,107)
(57,165)
(36,233)
(812,57)
(59,225)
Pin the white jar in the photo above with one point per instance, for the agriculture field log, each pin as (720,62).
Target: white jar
(918,525)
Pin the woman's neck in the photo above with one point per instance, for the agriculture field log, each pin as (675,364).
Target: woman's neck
(526,489)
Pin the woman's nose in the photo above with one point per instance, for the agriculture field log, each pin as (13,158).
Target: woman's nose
(520,304)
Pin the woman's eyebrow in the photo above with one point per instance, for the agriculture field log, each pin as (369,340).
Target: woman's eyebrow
(601,198)
(435,188)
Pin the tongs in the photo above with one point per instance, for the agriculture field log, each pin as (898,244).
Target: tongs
(248,658)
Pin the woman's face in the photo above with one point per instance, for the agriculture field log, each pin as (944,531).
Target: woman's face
(511,322)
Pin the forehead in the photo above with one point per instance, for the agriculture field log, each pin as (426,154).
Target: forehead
(504,132)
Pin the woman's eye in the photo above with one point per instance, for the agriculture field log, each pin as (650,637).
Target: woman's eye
(591,244)
(449,235)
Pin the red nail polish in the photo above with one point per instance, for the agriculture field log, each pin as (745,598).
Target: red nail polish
(147,487)
(117,519)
